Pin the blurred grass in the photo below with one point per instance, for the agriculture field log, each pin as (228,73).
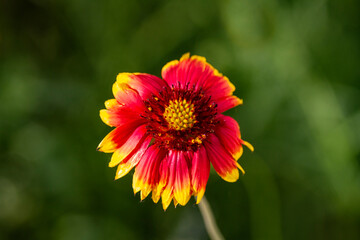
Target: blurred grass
(295,64)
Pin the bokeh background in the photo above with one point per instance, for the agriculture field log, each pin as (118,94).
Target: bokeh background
(295,64)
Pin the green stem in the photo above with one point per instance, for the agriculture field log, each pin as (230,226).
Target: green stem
(209,220)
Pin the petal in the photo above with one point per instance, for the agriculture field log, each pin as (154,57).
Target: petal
(128,96)
(163,178)
(248,145)
(175,202)
(128,163)
(178,185)
(226,103)
(221,159)
(117,137)
(196,72)
(118,115)
(111,103)
(144,84)
(147,171)
(200,171)
(182,179)
(133,141)
(228,132)
(167,193)
(107,115)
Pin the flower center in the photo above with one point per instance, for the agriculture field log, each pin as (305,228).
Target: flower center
(179,114)
(180,118)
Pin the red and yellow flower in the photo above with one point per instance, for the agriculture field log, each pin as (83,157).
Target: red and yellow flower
(171,129)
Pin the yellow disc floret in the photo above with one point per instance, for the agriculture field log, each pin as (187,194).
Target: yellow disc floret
(180,114)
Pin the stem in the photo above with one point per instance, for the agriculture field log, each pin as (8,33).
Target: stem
(209,220)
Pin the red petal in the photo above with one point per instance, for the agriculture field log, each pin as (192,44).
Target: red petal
(196,71)
(228,132)
(163,179)
(129,97)
(200,171)
(133,158)
(168,176)
(182,179)
(226,103)
(178,184)
(144,84)
(146,174)
(118,115)
(117,137)
(134,140)
(222,161)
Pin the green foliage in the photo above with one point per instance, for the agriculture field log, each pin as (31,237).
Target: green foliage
(295,64)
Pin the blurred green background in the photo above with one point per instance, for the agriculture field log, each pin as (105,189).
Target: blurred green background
(295,64)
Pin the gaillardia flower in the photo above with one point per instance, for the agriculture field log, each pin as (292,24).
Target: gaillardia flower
(171,129)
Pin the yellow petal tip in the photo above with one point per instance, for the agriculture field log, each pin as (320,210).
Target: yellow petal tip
(185,56)
(105,117)
(232,176)
(111,103)
(200,196)
(248,145)
(169,64)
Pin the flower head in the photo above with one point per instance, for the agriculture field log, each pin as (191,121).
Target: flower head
(171,129)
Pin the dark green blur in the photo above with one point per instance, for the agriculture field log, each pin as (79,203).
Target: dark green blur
(296,64)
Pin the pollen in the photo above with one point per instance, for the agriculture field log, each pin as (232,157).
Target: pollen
(179,114)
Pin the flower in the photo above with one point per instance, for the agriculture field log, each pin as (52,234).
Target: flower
(171,129)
